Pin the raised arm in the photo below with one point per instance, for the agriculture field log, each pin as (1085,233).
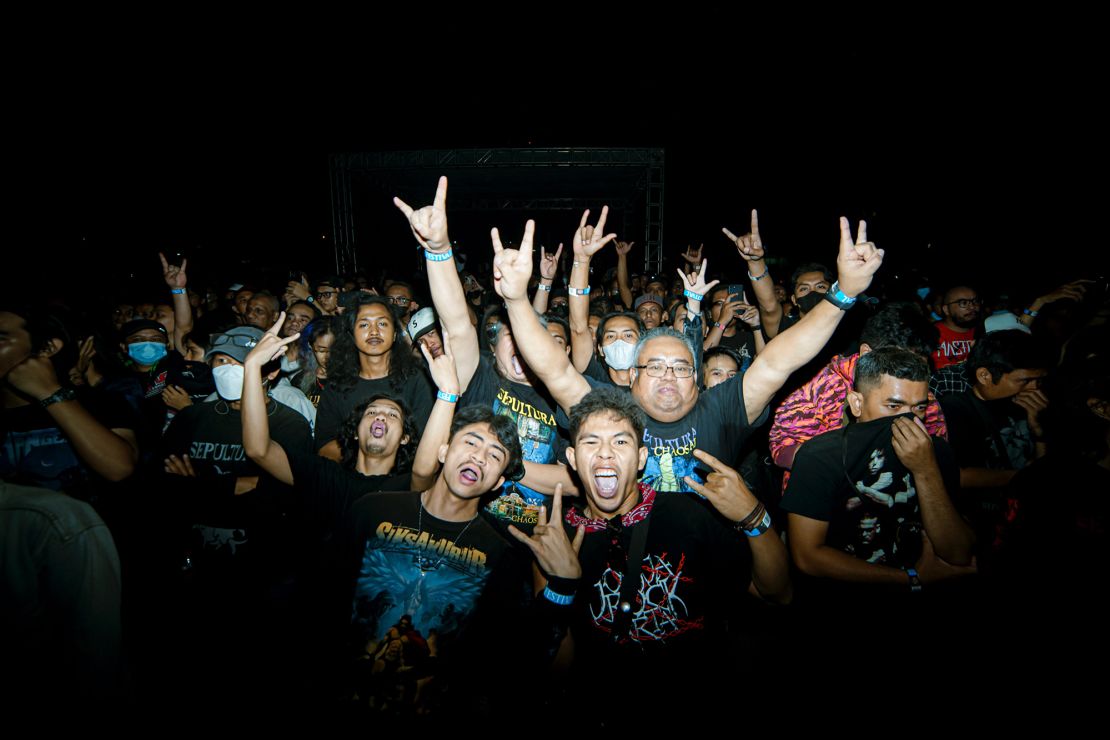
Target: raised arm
(549,265)
(750,247)
(266,453)
(511,270)
(110,453)
(624,281)
(856,264)
(437,430)
(585,246)
(182,310)
(429,226)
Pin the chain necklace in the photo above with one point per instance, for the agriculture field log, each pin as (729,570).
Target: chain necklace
(426,564)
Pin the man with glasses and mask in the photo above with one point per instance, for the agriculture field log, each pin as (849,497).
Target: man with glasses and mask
(400,296)
(960,309)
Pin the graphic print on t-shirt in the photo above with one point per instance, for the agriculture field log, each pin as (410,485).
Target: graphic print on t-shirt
(660,611)
(670,460)
(879,494)
(414,585)
(536,430)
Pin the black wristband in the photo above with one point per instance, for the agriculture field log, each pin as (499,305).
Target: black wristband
(565,586)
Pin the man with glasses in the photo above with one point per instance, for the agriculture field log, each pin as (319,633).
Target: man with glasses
(960,310)
(663,376)
(400,296)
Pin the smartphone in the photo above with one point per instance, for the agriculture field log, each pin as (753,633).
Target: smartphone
(738,291)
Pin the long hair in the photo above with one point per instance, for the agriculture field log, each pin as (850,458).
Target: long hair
(319,327)
(343,364)
(348,434)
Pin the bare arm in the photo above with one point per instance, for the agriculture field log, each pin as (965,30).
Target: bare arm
(437,430)
(549,265)
(263,451)
(429,226)
(182,310)
(813,557)
(585,246)
(624,282)
(543,477)
(511,270)
(750,247)
(110,453)
(857,263)
(952,538)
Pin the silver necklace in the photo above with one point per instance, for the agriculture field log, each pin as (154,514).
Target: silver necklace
(426,564)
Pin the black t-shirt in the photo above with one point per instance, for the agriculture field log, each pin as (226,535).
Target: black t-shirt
(458,583)
(694,574)
(195,378)
(314,474)
(211,435)
(35,452)
(852,479)
(987,434)
(743,342)
(335,406)
(533,414)
(599,371)
(718,424)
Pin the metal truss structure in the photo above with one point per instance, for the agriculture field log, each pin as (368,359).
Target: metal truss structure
(534,180)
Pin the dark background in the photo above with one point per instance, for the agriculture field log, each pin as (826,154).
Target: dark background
(973,156)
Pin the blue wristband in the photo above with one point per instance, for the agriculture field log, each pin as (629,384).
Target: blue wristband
(437,256)
(836,297)
(763,526)
(177,291)
(692,295)
(448,397)
(555,598)
(579,291)
(759,277)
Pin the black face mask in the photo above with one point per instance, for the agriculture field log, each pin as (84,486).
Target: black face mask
(809,301)
(474,295)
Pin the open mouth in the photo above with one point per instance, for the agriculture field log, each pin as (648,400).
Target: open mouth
(605,481)
(378,429)
(469,475)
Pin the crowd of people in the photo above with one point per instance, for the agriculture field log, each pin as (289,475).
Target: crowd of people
(424,497)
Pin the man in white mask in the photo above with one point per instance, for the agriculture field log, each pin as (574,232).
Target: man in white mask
(226,356)
(617,334)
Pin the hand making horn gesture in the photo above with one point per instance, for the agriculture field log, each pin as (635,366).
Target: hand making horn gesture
(429,224)
(750,246)
(857,261)
(588,240)
(724,488)
(271,346)
(172,274)
(549,263)
(555,553)
(512,267)
(695,281)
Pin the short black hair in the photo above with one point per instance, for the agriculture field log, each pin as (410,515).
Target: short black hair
(556,319)
(607,400)
(719,350)
(502,426)
(348,434)
(1002,352)
(893,361)
(613,314)
(315,311)
(900,325)
(810,267)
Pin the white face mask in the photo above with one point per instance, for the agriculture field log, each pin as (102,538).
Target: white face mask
(229,381)
(287,366)
(619,355)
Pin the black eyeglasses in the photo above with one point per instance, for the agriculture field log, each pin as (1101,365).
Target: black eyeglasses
(966,302)
(400,300)
(659,369)
(326,293)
